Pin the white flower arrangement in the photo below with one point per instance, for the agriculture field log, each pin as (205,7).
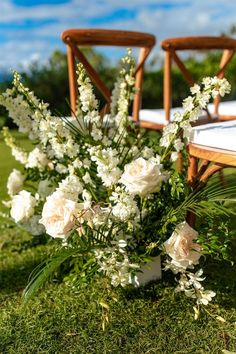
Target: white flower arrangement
(110,194)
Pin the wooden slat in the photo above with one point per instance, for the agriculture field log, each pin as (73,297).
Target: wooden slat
(220,156)
(199,42)
(74,38)
(91,36)
(91,72)
(167,86)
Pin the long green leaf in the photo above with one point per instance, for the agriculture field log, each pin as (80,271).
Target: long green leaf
(43,271)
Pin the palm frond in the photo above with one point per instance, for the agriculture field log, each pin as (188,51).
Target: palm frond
(43,272)
(211,200)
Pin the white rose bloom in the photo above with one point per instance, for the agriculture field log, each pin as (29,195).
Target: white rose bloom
(58,215)
(15,182)
(22,206)
(181,248)
(142,177)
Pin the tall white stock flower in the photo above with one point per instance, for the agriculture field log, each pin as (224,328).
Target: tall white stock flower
(70,187)
(88,101)
(19,155)
(59,215)
(22,206)
(125,206)
(168,134)
(181,248)
(142,177)
(15,182)
(37,159)
(107,161)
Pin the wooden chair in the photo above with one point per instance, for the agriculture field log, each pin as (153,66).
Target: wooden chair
(172,48)
(77,38)
(211,143)
(212,148)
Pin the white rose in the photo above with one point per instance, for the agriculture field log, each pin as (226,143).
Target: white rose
(58,215)
(15,182)
(181,248)
(142,177)
(22,206)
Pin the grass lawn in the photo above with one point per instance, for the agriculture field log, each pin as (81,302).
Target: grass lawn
(148,320)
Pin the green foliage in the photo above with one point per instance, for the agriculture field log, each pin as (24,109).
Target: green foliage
(63,319)
(50,81)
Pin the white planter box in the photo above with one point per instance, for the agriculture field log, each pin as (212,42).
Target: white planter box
(150,271)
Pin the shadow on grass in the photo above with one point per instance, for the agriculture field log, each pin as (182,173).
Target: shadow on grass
(220,277)
(14,278)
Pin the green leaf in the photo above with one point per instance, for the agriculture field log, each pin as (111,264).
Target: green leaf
(43,271)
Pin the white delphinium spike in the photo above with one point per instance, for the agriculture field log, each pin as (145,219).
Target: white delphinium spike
(124,204)
(180,128)
(107,161)
(18,153)
(87,99)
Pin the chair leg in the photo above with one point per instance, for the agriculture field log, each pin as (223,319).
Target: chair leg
(191,218)
(192,173)
(180,163)
(222,179)
(192,169)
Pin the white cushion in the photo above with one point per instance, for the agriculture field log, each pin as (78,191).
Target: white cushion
(225,108)
(158,115)
(221,135)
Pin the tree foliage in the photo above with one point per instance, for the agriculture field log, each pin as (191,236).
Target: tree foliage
(50,81)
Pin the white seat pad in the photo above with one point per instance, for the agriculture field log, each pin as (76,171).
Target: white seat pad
(225,108)
(158,115)
(221,135)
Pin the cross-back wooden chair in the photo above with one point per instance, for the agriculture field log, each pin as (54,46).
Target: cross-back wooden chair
(77,38)
(212,147)
(172,47)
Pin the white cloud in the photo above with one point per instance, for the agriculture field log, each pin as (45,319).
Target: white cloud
(185,18)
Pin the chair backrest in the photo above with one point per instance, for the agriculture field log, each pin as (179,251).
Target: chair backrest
(173,45)
(76,38)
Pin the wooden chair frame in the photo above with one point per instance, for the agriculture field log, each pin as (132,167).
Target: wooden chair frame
(204,162)
(74,38)
(173,45)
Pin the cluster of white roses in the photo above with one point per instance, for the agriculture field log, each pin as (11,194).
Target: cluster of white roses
(95,181)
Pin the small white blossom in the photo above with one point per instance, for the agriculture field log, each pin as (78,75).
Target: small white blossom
(22,206)
(15,182)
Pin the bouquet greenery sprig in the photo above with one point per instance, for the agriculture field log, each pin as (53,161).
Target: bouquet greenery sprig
(107,192)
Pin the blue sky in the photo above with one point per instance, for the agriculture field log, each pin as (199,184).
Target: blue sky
(30,29)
